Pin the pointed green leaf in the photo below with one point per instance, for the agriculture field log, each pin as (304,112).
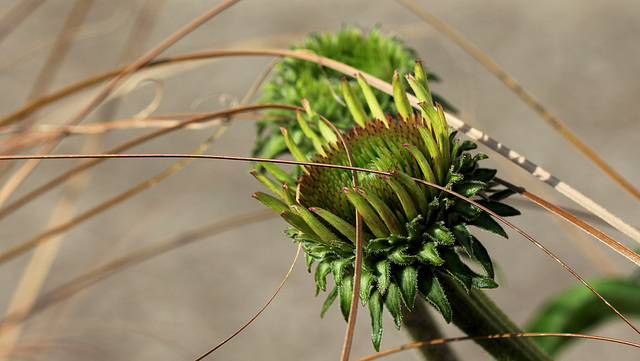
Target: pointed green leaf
(297,153)
(322,271)
(355,107)
(320,229)
(398,255)
(282,176)
(438,165)
(383,273)
(345,294)
(400,97)
(468,188)
(429,254)
(481,255)
(483,282)
(416,227)
(501,209)
(309,260)
(500,195)
(453,178)
(375,224)
(442,135)
(466,209)
(425,167)
(269,183)
(462,235)
(344,227)
(432,291)
(275,204)
(319,251)
(372,101)
(288,196)
(329,301)
(422,78)
(486,222)
(419,90)
(482,174)
(378,245)
(327,132)
(408,283)
(366,280)
(298,222)
(440,233)
(467,145)
(392,303)
(408,206)
(306,129)
(337,268)
(386,214)
(418,195)
(375,311)
(455,267)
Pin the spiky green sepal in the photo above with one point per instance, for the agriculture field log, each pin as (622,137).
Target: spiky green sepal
(414,234)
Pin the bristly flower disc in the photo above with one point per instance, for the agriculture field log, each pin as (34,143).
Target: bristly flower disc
(413,234)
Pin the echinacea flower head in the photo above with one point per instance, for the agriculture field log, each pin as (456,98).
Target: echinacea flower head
(413,234)
(293,79)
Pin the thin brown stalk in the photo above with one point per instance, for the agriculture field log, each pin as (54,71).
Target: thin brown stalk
(36,134)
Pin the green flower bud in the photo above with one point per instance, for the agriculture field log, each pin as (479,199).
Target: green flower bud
(414,234)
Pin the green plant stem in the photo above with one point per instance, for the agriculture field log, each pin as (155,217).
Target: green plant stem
(421,327)
(476,315)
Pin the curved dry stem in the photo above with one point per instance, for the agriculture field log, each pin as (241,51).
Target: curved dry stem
(506,335)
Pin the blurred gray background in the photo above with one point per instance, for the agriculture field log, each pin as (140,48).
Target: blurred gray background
(580,58)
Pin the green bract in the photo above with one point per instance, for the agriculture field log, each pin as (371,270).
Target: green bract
(413,234)
(294,79)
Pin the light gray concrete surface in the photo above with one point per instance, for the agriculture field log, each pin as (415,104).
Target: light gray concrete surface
(579,58)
